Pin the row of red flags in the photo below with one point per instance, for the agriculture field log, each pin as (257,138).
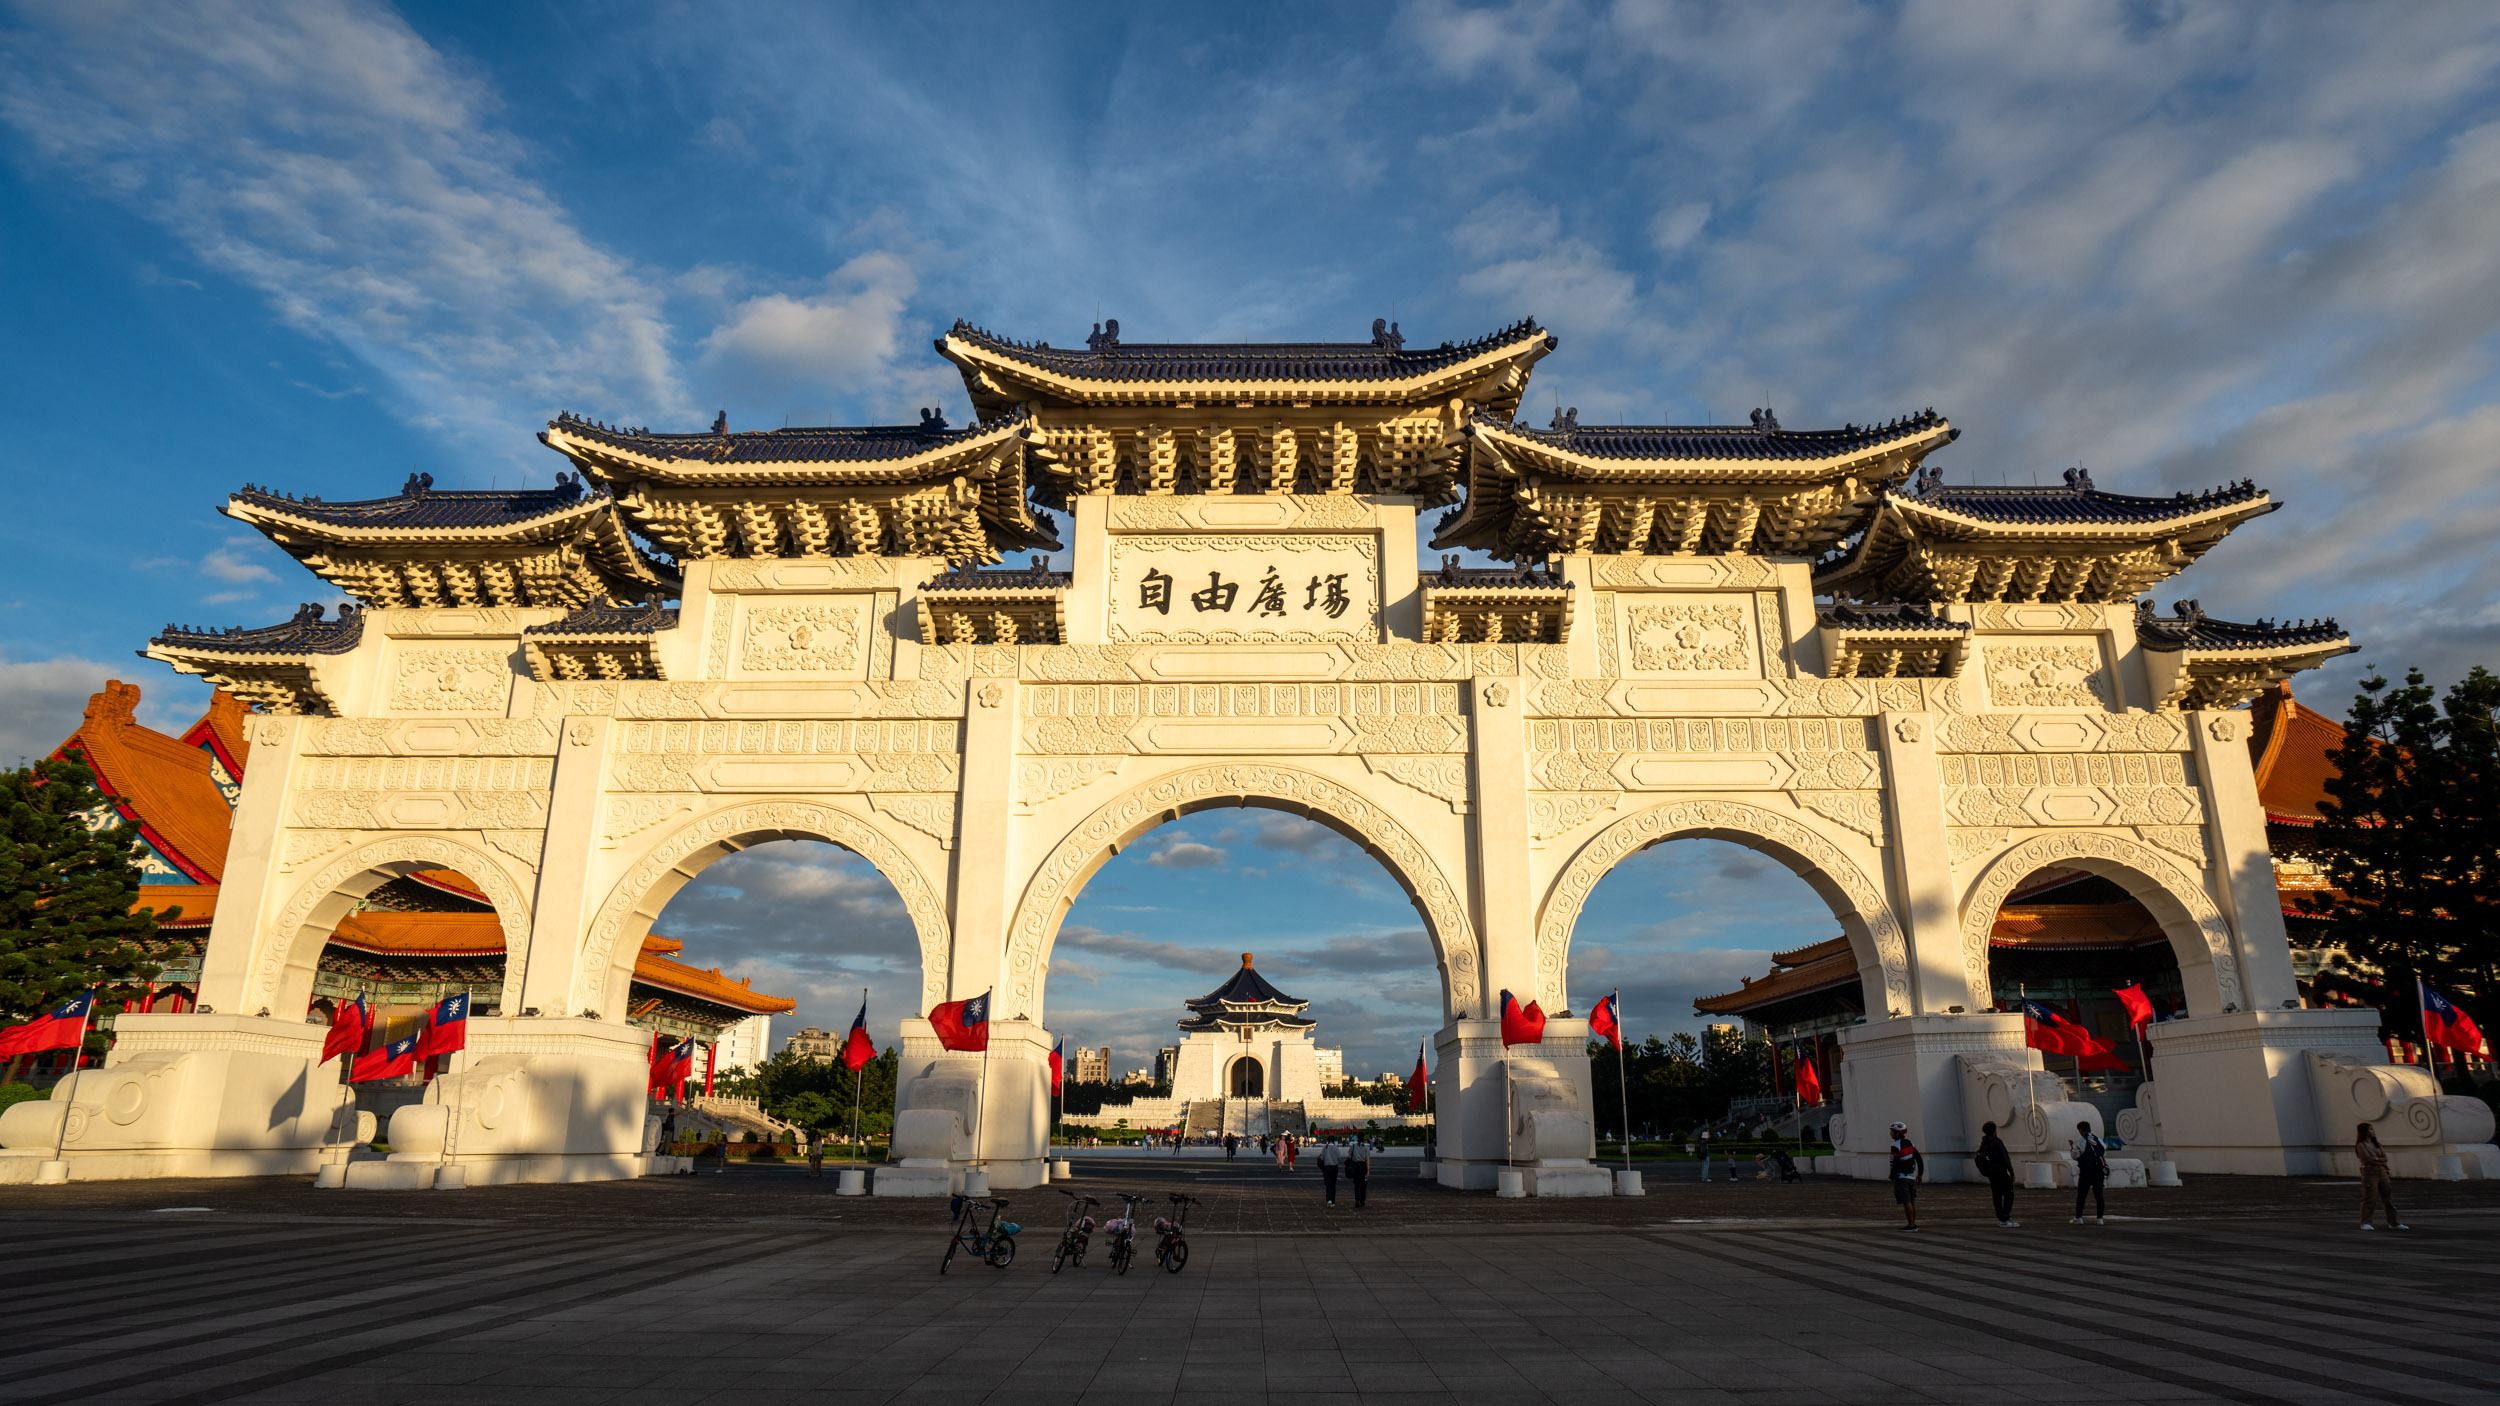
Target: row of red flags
(446,1030)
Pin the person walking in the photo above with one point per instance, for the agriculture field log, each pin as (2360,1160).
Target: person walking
(816,1152)
(1293,1152)
(2091,1174)
(1331,1157)
(1358,1167)
(1704,1142)
(1232,1146)
(1908,1167)
(2378,1188)
(1997,1165)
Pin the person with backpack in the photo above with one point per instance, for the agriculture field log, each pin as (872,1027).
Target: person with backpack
(1908,1167)
(1331,1159)
(2091,1174)
(2377,1189)
(1358,1169)
(1997,1165)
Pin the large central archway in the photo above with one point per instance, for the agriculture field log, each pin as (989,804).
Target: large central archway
(1334,804)
(2199,936)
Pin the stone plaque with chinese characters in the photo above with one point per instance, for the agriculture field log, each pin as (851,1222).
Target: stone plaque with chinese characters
(1290,587)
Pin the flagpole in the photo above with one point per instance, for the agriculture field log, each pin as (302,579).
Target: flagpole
(981,1108)
(2430,1056)
(77,1052)
(1623,1080)
(857,1075)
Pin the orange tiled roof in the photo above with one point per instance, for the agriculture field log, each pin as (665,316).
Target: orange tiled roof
(388,933)
(198,903)
(221,728)
(2074,925)
(1813,951)
(651,969)
(1820,974)
(156,781)
(2292,750)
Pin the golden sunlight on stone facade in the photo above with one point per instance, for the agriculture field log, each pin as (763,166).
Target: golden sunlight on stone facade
(1911,694)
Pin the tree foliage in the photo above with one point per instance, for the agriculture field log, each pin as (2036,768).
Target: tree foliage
(66,890)
(1678,1083)
(2411,841)
(814,1094)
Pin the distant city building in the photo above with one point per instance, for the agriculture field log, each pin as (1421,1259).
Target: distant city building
(745,1044)
(1331,1067)
(1092,1066)
(1139,1076)
(1167,1059)
(1390,1079)
(822,1046)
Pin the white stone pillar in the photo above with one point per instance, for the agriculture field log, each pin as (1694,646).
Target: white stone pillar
(982,906)
(251,890)
(567,900)
(1498,851)
(1921,877)
(2235,821)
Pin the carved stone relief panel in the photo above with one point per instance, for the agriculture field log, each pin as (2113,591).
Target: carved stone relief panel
(1552,813)
(1075,719)
(1442,778)
(450,678)
(784,638)
(2046,673)
(2036,617)
(803,574)
(2106,788)
(1275,587)
(1661,754)
(1671,573)
(1700,635)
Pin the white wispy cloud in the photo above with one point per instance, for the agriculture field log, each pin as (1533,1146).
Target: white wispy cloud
(325,155)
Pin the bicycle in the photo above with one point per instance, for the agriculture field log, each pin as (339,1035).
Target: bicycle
(993,1242)
(1080,1229)
(1173,1250)
(1123,1232)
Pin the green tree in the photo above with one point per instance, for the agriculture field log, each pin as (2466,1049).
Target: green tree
(67,887)
(2411,844)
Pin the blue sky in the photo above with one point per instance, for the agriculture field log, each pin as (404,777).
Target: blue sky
(321,244)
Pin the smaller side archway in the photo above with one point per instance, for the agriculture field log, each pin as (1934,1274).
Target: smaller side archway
(1855,899)
(283,977)
(2199,935)
(606,970)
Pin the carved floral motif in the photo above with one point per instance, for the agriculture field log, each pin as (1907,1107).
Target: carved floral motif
(802,638)
(2045,676)
(1685,637)
(1442,778)
(452,678)
(1553,813)
(1862,811)
(1040,782)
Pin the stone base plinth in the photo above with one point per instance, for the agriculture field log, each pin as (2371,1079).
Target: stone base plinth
(1580,1180)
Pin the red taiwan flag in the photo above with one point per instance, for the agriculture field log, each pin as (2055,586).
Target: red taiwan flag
(2047,1030)
(2444,1024)
(1604,1022)
(2139,1006)
(672,1063)
(349,1024)
(963,1025)
(1809,1083)
(388,1062)
(858,1051)
(1521,1027)
(446,1027)
(1415,1087)
(1055,1065)
(63,1027)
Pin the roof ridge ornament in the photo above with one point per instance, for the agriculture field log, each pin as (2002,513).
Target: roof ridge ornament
(2079,479)
(1106,336)
(1385,335)
(1766,420)
(417,486)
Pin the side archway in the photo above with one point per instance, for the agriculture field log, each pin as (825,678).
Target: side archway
(1856,899)
(1340,807)
(2199,935)
(293,949)
(606,971)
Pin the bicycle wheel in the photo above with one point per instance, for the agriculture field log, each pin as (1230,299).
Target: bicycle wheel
(951,1242)
(1175,1257)
(1122,1254)
(1059,1258)
(1002,1252)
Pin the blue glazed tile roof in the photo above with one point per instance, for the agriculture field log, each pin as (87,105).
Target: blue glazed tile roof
(1903,616)
(2191,628)
(307,633)
(1035,577)
(647,619)
(2067,506)
(1717,441)
(420,505)
(1380,360)
(806,445)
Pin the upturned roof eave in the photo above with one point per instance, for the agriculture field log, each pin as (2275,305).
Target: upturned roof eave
(976,361)
(615,464)
(1911,445)
(545,526)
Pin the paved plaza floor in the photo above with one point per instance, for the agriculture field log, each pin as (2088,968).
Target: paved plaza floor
(759,1285)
